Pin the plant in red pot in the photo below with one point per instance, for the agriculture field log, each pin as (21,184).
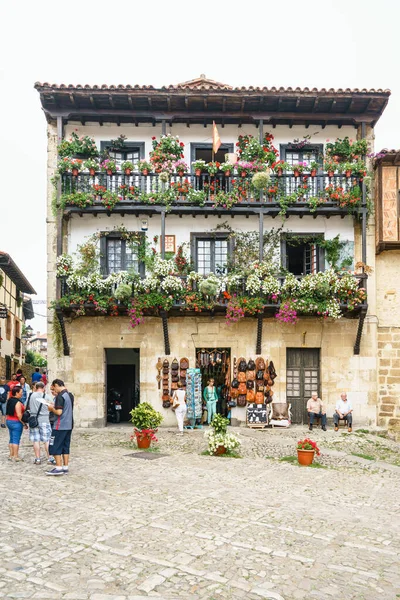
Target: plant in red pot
(306,450)
(146,421)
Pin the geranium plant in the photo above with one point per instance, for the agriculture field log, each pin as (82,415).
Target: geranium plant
(109,166)
(84,145)
(199,165)
(127,165)
(226,168)
(144,166)
(180,166)
(91,165)
(308,444)
(213,167)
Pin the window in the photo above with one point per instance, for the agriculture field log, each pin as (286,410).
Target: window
(132,151)
(210,253)
(307,155)
(8,327)
(118,254)
(204,152)
(301,255)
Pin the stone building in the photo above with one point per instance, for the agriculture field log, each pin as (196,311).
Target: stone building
(15,309)
(387,186)
(100,349)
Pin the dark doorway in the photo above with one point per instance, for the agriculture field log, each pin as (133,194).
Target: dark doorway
(204,152)
(124,377)
(302,378)
(214,363)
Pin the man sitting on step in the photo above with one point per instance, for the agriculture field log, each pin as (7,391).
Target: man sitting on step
(344,411)
(315,408)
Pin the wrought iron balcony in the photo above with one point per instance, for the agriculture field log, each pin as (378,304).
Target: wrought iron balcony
(303,193)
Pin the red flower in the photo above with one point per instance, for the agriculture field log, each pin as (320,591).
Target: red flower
(154,137)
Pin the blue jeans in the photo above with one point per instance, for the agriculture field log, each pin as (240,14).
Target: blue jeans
(320,416)
(211,410)
(15,430)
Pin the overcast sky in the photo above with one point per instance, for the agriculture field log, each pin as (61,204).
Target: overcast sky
(319,43)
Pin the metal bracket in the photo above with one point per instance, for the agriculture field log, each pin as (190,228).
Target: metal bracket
(361,320)
(259,333)
(60,317)
(164,318)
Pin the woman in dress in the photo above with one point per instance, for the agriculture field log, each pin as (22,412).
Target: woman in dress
(179,404)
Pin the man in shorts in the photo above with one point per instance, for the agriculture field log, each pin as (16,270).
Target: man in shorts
(60,441)
(38,407)
(4,390)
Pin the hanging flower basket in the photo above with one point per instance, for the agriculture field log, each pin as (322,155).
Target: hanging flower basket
(348,173)
(128,171)
(296,173)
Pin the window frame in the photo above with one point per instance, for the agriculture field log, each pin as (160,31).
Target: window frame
(128,147)
(320,251)
(209,236)
(317,148)
(207,146)
(115,235)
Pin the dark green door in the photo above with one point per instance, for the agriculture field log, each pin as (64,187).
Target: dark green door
(302,378)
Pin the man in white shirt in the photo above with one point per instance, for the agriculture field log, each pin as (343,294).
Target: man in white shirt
(343,410)
(315,408)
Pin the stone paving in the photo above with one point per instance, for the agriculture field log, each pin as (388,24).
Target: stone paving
(188,526)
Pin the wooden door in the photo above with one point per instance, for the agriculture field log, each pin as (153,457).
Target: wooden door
(302,378)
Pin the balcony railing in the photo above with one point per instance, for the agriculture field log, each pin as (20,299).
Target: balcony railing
(138,189)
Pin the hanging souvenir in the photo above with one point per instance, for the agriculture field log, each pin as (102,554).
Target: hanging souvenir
(242,388)
(241,376)
(159,369)
(260,365)
(250,384)
(250,396)
(184,364)
(165,367)
(259,397)
(241,401)
(175,365)
(251,375)
(251,365)
(271,370)
(242,364)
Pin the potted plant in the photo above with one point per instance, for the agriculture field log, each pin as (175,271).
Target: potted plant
(109,166)
(306,450)
(244,167)
(209,286)
(313,168)
(123,292)
(226,168)
(298,168)
(199,166)
(91,165)
(181,167)
(145,421)
(279,167)
(359,169)
(330,167)
(213,167)
(219,440)
(78,147)
(144,167)
(347,169)
(127,167)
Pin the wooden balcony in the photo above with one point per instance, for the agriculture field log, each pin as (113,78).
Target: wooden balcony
(205,194)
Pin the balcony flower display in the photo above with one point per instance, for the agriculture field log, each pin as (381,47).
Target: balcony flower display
(167,149)
(345,149)
(279,167)
(298,168)
(314,166)
(199,166)
(72,165)
(226,168)
(245,167)
(127,167)
(109,166)
(260,180)
(251,150)
(84,146)
(110,199)
(180,167)
(92,165)
(330,167)
(64,265)
(359,170)
(172,285)
(144,167)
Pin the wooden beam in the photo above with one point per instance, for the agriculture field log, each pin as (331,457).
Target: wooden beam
(349,106)
(130,102)
(92,102)
(169,103)
(333,105)
(205,104)
(72,98)
(149,101)
(186,103)
(242,105)
(111,101)
(315,105)
(223,104)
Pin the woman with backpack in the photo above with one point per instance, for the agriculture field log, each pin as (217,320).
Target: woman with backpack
(42,432)
(14,411)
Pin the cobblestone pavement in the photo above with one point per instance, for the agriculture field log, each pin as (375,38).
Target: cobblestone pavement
(198,527)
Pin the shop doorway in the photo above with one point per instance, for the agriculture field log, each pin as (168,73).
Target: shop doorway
(302,378)
(215,363)
(123,377)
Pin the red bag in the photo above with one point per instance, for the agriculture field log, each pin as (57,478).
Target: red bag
(242,388)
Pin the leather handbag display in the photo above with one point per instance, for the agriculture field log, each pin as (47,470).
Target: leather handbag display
(251,375)
(241,401)
(242,364)
(242,388)
(241,376)
(251,396)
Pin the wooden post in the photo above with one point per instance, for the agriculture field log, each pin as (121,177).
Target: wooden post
(163,233)
(261,235)
(60,217)
(163,127)
(364,214)
(260,131)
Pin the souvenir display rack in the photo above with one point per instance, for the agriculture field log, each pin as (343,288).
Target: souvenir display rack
(194,399)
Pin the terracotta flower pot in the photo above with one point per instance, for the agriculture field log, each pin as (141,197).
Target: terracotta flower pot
(109,172)
(331,173)
(279,172)
(313,172)
(348,173)
(305,457)
(181,173)
(197,172)
(143,442)
(243,174)
(145,172)
(92,172)
(220,450)
(227,173)
(75,172)
(127,171)
(296,173)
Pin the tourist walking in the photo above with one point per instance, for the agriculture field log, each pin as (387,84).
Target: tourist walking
(60,440)
(13,382)
(36,376)
(211,398)
(26,390)
(14,411)
(4,391)
(38,401)
(179,404)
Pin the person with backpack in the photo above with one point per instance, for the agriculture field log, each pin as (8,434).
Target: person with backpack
(60,441)
(4,391)
(14,411)
(39,426)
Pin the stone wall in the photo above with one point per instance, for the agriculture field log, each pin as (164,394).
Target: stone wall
(84,370)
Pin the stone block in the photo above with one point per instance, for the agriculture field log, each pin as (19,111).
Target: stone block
(387,408)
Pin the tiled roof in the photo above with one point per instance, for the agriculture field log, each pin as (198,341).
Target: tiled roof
(15,274)
(202,83)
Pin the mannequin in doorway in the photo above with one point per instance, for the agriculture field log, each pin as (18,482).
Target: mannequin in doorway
(211,398)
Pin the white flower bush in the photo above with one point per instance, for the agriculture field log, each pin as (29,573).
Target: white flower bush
(229,440)
(253,284)
(172,285)
(149,284)
(270,286)
(163,267)
(65,264)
